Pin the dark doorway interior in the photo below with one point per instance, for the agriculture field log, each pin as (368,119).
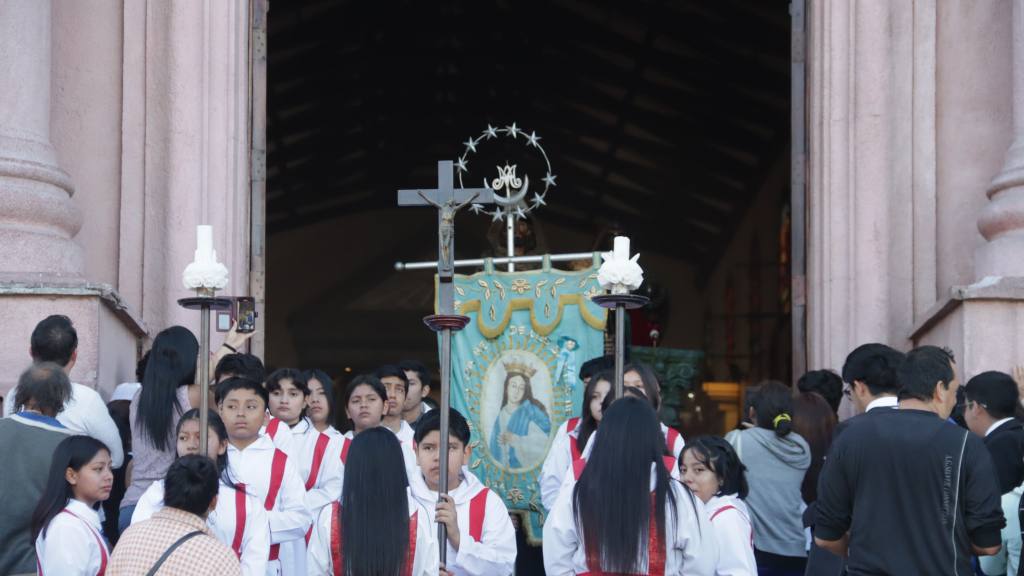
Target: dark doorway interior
(667,121)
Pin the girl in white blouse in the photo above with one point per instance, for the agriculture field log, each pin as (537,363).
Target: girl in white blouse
(65,524)
(653,525)
(713,471)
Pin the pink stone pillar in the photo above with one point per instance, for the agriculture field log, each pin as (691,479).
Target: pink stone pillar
(37,216)
(1002,220)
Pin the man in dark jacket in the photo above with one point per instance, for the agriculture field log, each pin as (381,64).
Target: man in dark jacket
(991,400)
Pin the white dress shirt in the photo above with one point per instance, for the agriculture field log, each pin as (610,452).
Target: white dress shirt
(883,402)
(995,425)
(85,413)
(255,534)
(495,553)
(72,545)
(425,563)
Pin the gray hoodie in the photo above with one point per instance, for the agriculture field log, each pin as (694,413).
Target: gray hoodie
(775,470)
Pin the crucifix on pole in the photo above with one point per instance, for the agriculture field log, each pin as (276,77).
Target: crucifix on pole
(448,200)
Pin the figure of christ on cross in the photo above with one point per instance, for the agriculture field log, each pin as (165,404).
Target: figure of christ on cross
(448,200)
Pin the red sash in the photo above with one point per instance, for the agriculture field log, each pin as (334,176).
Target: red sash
(655,552)
(318,458)
(337,562)
(344,449)
(574,442)
(314,469)
(670,440)
(276,477)
(236,542)
(272,427)
(477,510)
(99,542)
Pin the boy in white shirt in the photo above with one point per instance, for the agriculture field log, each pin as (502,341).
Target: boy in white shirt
(481,538)
(397,383)
(265,472)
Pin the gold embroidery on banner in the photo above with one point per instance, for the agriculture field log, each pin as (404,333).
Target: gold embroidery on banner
(540,284)
(487,289)
(520,286)
(500,288)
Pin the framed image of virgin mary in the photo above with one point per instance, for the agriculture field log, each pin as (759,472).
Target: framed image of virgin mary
(521,424)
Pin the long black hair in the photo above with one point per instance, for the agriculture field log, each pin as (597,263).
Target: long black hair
(614,529)
(73,452)
(587,422)
(374,506)
(650,380)
(172,364)
(213,421)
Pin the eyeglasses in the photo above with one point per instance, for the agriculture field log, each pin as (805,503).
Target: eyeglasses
(970,402)
(848,392)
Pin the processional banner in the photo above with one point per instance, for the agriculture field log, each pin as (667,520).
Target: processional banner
(515,372)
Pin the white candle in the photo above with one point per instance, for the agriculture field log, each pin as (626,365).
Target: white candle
(622,248)
(204,242)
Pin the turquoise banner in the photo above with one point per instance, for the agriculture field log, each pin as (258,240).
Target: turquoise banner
(515,372)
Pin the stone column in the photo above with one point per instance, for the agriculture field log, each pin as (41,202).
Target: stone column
(37,216)
(1002,221)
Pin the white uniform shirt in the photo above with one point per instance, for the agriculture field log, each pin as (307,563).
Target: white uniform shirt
(734,532)
(72,545)
(495,553)
(301,448)
(222,522)
(85,413)
(289,519)
(425,563)
(405,437)
(690,547)
(558,462)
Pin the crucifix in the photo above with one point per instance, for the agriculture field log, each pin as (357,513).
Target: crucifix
(448,200)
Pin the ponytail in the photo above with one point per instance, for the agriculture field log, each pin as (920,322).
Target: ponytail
(783,424)
(773,405)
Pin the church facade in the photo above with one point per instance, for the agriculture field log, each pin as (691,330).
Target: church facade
(124,125)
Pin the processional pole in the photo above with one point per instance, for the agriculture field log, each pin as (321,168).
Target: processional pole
(205,275)
(620,275)
(448,200)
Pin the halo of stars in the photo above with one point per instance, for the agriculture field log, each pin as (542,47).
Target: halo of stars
(531,139)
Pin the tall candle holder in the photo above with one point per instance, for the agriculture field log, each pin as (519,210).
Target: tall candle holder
(620,275)
(205,275)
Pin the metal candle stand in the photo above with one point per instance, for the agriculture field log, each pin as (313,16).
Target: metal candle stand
(204,301)
(445,324)
(620,303)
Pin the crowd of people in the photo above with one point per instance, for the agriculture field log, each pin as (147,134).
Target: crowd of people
(925,479)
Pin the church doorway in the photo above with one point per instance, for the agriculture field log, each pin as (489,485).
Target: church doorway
(668,122)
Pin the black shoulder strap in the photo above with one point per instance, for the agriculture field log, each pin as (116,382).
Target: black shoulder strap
(169,551)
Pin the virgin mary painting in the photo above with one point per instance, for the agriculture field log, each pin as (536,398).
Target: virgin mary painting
(521,429)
